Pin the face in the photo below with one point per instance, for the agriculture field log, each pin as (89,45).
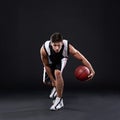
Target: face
(57,46)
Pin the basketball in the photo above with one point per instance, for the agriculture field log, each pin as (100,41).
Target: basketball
(81,73)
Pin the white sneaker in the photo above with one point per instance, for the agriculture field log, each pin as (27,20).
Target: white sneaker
(61,105)
(58,104)
(53,93)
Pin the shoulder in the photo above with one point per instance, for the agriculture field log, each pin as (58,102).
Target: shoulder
(43,47)
(42,50)
(65,41)
(72,49)
(47,42)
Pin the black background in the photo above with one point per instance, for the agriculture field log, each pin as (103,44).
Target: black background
(91,26)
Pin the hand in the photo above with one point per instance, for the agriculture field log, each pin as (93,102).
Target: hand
(53,83)
(91,75)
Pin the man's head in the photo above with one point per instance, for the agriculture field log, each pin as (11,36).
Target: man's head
(56,41)
(56,37)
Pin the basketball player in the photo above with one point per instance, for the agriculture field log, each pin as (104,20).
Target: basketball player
(54,55)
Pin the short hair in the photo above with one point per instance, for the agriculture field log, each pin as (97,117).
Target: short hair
(56,37)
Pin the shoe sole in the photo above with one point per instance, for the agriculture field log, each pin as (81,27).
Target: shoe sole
(57,109)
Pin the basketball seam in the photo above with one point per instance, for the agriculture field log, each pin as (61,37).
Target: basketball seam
(82,72)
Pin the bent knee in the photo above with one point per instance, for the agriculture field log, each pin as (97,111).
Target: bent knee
(58,73)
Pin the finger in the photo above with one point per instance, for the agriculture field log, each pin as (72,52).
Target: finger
(89,76)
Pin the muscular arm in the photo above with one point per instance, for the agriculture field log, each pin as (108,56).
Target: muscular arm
(45,62)
(75,53)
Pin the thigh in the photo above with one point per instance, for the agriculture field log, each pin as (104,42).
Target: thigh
(56,66)
(46,79)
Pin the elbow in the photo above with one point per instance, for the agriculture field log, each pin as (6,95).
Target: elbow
(46,65)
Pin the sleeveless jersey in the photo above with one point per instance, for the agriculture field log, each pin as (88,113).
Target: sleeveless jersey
(55,58)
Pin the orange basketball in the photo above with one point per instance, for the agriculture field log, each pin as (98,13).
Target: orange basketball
(81,73)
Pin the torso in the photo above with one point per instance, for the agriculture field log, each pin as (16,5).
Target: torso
(55,58)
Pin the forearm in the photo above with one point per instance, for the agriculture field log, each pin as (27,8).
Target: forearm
(80,57)
(87,63)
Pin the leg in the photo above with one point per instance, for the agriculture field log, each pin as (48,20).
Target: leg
(47,81)
(53,93)
(59,83)
(58,103)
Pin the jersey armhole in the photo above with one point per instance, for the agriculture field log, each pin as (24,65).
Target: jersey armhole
(45,49)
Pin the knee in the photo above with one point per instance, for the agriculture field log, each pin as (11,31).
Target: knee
(58,73)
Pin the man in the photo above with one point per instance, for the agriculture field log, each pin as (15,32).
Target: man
(54,55)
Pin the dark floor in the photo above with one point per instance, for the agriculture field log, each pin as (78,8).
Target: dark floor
(80,104)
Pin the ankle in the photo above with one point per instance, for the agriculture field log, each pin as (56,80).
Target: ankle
(58,98)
